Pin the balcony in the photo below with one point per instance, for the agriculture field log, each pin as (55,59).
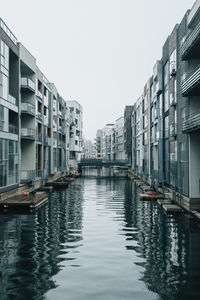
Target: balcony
(27,175)
(13,129)
(172,99)
(39,116)
(191,123)
(28,108)
(27,84)
(49,141)
(28,133)
(12,100)
(39,137)
(190,47)
(173,130)
(191,85)
(39,95)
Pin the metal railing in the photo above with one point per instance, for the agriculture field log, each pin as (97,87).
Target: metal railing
(28,108)
(190,81)
(101,162)
(28,132)
(190,40)
(191,122)
(8,32)
(28,83)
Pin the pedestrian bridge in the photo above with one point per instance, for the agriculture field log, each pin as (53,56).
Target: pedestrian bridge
(102,163)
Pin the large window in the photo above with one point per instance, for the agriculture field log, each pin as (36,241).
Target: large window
(9,162)
(3,118)
(4,55)
(3,86)
(166,122)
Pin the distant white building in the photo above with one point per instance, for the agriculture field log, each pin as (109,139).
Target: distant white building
(89,149)
(75,133)
(119,139)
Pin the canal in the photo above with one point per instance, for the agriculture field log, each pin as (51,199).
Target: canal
(97,241)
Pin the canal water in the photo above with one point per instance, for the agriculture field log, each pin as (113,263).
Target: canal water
(97,241)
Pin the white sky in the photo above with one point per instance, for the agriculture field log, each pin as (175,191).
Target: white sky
(98,52)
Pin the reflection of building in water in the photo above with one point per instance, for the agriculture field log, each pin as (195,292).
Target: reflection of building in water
(103,172)
(32,245)
(170,245)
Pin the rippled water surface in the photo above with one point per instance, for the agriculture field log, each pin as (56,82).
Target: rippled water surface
(96,240)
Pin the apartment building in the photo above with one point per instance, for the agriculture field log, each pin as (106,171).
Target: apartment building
(36,123)
(128,133)
(119,139)
(99,144)
(75,133)
(89,150)
(189,110)
(9,109)
(165,119)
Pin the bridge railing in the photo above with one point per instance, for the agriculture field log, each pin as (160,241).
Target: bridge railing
(94,162)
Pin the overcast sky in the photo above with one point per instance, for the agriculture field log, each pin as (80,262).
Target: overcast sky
(98,52)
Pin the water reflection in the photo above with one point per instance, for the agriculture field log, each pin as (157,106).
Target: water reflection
(96,240)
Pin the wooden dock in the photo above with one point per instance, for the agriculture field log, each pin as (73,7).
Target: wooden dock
(151,197)
(58,184)
(161,202)
(172,208)
(32,201)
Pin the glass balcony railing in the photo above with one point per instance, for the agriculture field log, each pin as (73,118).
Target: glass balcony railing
(27,175)
(39,115)
(13,129)
(49,141)
(28,133)
(28,108)
(39,94)
(28,84)
(191,123)
(39,137)
(12,99)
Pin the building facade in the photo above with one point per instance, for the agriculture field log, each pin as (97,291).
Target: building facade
(36,123)
(165,119)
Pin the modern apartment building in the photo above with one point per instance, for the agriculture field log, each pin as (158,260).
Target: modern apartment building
(189,110)
(128,133)
(165,119)
(119,139)
(36,123)
(89,150)
(9,109)
(99,144)
(75,133)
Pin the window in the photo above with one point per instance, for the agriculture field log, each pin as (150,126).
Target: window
(3,86)
(166,127)
(4,55)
